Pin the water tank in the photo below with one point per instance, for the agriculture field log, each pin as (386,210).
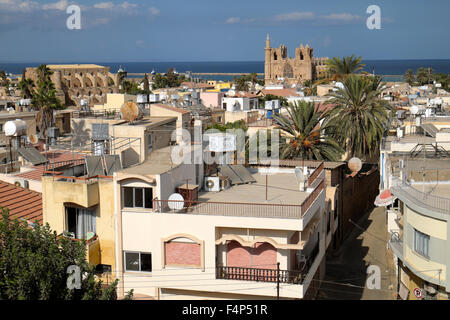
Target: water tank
(15,128)
(141,98)
(269,114)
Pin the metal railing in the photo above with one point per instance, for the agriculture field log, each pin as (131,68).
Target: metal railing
(259,275)
(242,209)
(59,164)
(104,113)
(316,173)
(420,198)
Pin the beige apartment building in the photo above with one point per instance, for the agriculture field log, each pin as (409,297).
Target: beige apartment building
(236,242)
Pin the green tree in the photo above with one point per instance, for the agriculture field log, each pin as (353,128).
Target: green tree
(34,263)
(2,78)
(44,99)
(26,87)
(360,117)
(242,83)
(339,69)
(169,80)
(409,77)
(303,135)
(146,85)
(310,88)
(424,75)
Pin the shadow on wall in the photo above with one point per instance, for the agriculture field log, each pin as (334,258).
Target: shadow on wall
(81,134)
(129,157)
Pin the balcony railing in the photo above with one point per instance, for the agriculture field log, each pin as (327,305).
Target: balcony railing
(259,275)
(240,209)
(420,198)
(316,173)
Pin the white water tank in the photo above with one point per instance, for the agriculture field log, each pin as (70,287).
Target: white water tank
(141,98)
(15,128)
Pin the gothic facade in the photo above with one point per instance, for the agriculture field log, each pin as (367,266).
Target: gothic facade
(279,68)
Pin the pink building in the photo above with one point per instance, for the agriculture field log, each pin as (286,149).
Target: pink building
(212,99)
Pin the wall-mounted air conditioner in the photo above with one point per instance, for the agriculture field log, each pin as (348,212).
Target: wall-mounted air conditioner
(21,183)
(212,184)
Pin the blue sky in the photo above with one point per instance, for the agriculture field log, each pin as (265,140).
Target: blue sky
(210,30)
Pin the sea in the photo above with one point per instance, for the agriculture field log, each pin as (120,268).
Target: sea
(390,70)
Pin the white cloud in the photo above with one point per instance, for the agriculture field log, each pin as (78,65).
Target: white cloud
(104,5)
(127,5)
(154,11)
(60,5)
(345,17)
(233,20)
(295,16)
(140,43)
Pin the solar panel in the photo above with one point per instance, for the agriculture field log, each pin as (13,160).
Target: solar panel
(112,163)
(94,166)
(243,173)
(32,155)
(226,170)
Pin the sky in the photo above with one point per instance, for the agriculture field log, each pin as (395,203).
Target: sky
(211,30)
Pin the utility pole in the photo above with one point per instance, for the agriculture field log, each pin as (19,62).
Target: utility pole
(278,281)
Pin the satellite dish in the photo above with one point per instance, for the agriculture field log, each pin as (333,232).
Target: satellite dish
(299,174)
(354,164)
(414,110)
(130,111)
(176,201)
(33,139)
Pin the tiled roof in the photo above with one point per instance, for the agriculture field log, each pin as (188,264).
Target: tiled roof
(193,85)
(22,203)
(36,172)
(280,92)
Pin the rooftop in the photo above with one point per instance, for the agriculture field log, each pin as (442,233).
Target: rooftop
(22,203)
(74,66)
(282,188)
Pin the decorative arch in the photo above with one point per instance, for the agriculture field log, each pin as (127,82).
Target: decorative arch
(251,243)
(189,250)
(80,80)
(91,79)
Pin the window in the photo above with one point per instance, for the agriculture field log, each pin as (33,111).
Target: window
(138,261)
(150,145)
(80,222)
(421,243)
(137,197)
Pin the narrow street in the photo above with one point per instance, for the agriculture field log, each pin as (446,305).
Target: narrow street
(346,271)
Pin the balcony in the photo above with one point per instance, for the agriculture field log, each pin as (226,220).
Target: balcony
(406,191)
(270,275)
(396,244)
(259,275)
(281,199)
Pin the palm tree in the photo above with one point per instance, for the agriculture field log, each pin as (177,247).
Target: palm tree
(310,88)
(409,77)
(241,83)
(339,68)
(44,100)
(26,87)
(424,76)
(305,137)
(359,116)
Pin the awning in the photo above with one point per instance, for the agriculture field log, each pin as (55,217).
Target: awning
(384,199)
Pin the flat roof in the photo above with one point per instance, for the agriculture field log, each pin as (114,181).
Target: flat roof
(159,161)
(282,188)
(74,66)
(148,122)
(435,189)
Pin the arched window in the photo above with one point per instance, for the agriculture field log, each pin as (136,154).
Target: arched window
(275,56)
(288,72)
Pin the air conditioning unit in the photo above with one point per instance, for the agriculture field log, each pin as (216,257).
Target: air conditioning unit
(21,183)
(431,289)
(212,184)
